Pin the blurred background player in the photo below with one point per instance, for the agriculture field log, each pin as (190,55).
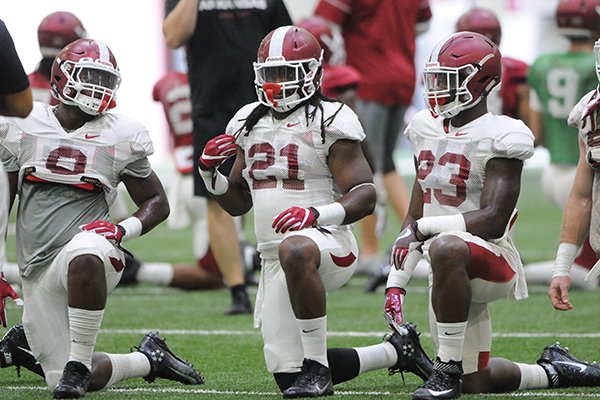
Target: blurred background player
(558,80)
(173,92)
(380,44)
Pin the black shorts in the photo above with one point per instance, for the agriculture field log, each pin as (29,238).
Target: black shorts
(207,127)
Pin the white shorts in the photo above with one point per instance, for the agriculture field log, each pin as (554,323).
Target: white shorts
(45,314)
(496,272)
(282,344)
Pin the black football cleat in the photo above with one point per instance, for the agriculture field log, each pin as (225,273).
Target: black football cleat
(15,351)
(564,370)
(165,364)
(444,383)
(240,303)
(74,382)
(411,356)
(314,381)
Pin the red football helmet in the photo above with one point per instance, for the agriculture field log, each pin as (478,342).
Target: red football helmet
(85,74)
(579,18)
(58,30)
(461,71)
(288,69)
(481,21)
(330,39)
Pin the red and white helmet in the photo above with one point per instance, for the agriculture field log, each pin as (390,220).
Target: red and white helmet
(288,69)
(330,39)
(461,71)
(482,21)
(578,18)
(85,74)
(58,30)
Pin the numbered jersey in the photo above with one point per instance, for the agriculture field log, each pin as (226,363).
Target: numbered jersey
(173,91)
(67,179)
(286,161)
(559,80)
(451,161)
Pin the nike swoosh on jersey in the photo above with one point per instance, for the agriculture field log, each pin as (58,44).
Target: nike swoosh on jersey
(578,365)
(461,133)
(291,125)
(88,136)
(344,261)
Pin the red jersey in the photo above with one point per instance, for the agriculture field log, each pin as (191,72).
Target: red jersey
(339,78)
(514,73)
(173,91)
(380,44)
(40,88)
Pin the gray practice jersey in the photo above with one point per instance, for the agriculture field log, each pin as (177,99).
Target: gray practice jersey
(67,179)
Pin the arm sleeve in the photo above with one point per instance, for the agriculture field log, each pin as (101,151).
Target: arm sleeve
(336,11)
(13,78)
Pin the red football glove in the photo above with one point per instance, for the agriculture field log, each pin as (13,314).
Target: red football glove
(392,309)
(405,243)
(294,219)
(7,291)
(217,150)
(110,231)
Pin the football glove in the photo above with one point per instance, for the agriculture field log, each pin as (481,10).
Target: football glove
(295,218)
(216,151)
(406,243)
(392,309)
(110,231)
(7,291)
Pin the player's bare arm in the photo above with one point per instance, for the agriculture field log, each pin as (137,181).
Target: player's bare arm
(149,195)
(178,26)
(498,198)
(353,177)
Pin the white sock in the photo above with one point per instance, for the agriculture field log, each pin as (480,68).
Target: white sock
(532,377)
(84,326)
(313,333)
(383,355)
(160,273)
(125,366)
(451,337)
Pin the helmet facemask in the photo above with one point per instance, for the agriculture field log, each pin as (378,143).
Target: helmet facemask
(282,84)
(91,85)
(446,91)
(597,54)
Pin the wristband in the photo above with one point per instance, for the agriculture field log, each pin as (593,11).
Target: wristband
(215,182)
(133,228)
(565,256)
(399,277)
(331,214)
(430,226)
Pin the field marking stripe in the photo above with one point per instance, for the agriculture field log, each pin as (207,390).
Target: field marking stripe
(200,332)
(540,393)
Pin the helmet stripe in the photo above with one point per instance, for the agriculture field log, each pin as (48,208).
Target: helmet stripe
(104,52)
(276,45)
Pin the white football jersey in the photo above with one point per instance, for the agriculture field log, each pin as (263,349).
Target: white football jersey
(451,161)
(95,154)
(286,161)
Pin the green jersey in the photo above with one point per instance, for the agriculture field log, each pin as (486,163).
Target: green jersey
(559,81)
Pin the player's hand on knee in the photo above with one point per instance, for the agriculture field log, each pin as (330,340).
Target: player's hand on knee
(405,244)
(394,297)
(217,150)
(110,231)
(295,218)
(7,291)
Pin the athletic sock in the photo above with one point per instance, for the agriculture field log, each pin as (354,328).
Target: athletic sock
(84,326)
(125,366)
(313,333)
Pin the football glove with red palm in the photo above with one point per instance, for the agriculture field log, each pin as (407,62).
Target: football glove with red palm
(7,291)
(392,309)
(217,151)
(110,231)
(295,218)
